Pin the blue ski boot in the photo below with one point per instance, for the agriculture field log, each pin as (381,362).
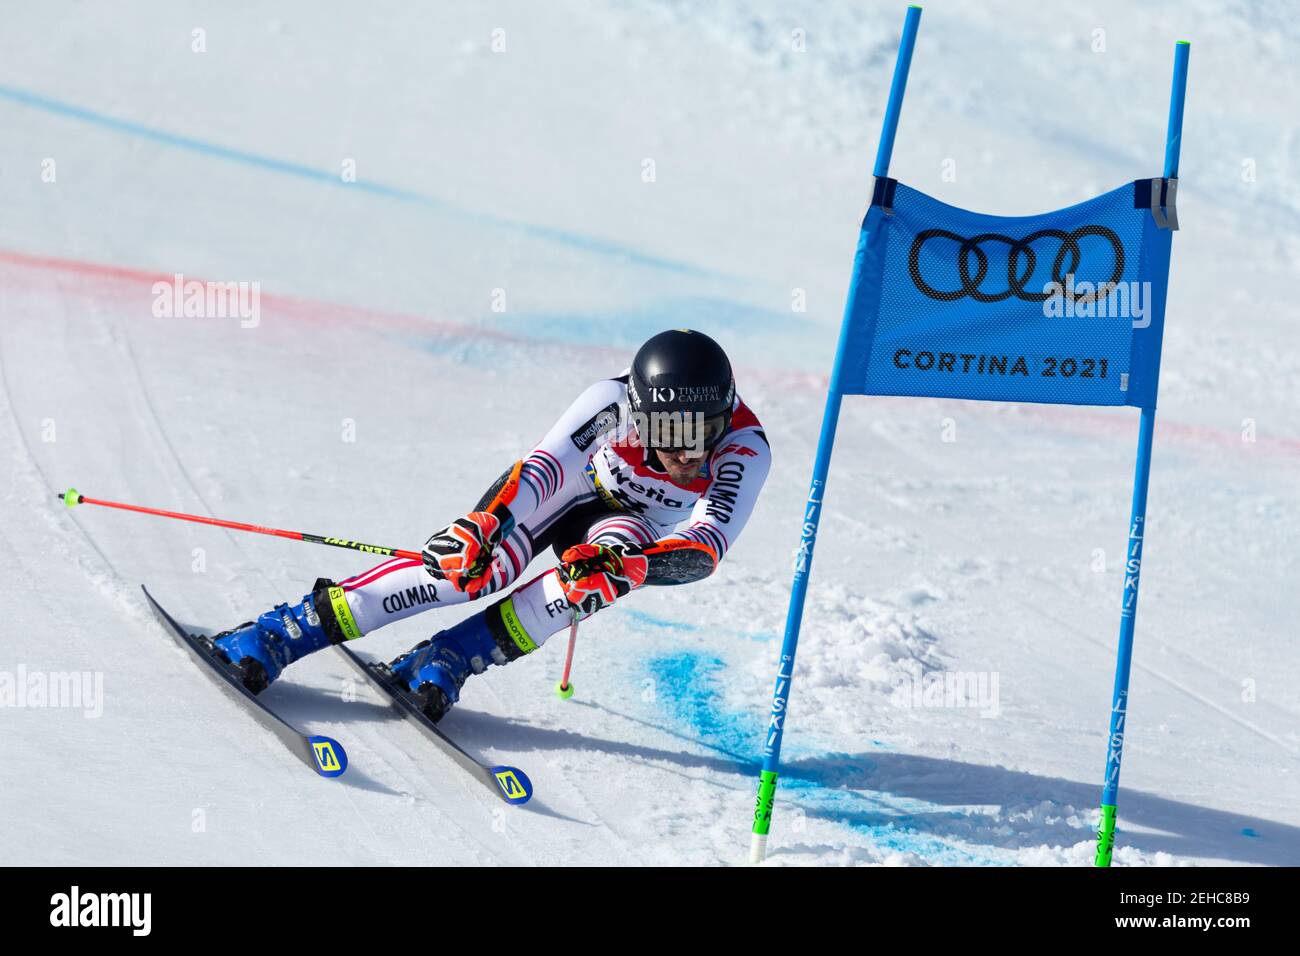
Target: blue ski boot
(259,650)
(435,670)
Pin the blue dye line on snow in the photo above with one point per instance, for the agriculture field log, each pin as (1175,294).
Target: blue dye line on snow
(690,696)
(688,684)
(641,617)
(574,240)
(652,620)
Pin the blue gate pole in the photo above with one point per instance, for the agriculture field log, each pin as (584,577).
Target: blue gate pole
(1137,526)
(812,510)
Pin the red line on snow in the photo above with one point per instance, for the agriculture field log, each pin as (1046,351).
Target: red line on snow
(1064,417)
(295,307)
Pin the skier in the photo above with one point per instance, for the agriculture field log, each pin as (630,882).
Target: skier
(667,442)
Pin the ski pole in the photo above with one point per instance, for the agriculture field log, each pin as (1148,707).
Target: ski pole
(72,497)
(564,689)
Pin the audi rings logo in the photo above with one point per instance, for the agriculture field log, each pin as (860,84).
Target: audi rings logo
(1022,261)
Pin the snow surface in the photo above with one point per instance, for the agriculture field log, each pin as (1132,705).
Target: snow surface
(522,171)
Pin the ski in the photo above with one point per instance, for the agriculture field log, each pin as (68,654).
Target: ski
(509,783)
(325,755)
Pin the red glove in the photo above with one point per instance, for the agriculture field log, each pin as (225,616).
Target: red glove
(462,552)
(594,576)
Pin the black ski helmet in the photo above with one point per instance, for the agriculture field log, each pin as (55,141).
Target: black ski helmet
(681,377)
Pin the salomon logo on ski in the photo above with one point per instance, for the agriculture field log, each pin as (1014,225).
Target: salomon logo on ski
(331,759)
(514,783)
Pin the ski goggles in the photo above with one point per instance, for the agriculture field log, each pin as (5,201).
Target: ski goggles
(683,431)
